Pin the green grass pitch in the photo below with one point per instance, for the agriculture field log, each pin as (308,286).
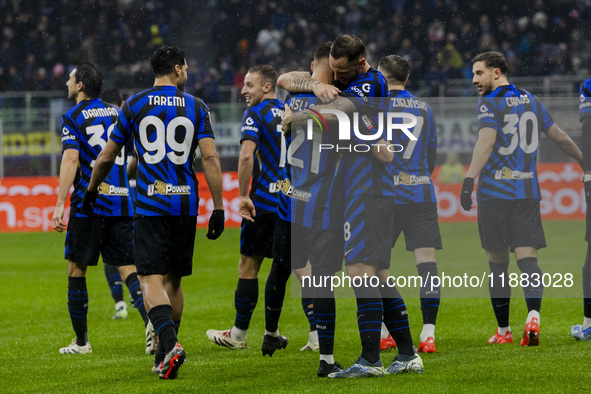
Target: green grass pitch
(35,324)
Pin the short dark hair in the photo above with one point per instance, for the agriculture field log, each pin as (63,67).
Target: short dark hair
(492,60)
(323,50)
(395,68)
(267,73)
(165,58)
(112,96)
(349,46)
(91,77)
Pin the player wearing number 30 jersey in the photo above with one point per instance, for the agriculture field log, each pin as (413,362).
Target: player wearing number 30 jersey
(508,192)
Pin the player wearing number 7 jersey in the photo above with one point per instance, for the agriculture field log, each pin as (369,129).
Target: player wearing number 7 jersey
(85,129)
(508,192)
(167,126)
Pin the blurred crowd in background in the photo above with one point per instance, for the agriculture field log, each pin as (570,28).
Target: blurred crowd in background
(40,43)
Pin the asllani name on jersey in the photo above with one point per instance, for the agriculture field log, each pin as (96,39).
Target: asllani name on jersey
(110,190)
(507,173)
(287,189)
(167,100)
(162,188)
(408,179)
(99,112)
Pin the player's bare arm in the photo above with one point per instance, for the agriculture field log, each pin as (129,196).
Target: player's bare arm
(565,143)
(298,81)
(482,150)
(212,170)
(245,165)
(381,152)
(68,169)
(104,163)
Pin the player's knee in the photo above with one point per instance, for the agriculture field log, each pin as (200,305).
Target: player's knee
(76,269)
(500,257)
(424,255)
(249,267)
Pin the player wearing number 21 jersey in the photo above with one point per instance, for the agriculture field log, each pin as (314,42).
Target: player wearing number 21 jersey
(511,120)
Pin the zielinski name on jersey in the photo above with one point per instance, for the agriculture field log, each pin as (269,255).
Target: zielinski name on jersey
(110,190)
(287,189)
(408,179)
(507,173)
(162,188)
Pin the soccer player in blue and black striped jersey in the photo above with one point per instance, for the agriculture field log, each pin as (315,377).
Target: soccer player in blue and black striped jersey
(583,331)
(261,149)
(85,129)
(415,212)
(167,126)
(504,157)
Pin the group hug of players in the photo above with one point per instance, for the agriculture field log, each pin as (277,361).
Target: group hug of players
(306,208)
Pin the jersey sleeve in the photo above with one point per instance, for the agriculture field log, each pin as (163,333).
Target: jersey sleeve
(487,114)
(205,128)
(585,100)
(251,127)
(70,137)
(545,117)
(122,131)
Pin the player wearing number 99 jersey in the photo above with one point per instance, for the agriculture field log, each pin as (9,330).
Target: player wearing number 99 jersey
(508,192)
(167,126)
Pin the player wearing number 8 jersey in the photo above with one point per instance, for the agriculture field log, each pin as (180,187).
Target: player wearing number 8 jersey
(508,192)
(167,126)
(85,129)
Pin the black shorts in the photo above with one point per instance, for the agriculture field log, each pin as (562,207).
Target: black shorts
(295,245)
(256,239)
(510,224)
(164,244)
(367,230)
(111,237)
(419,223)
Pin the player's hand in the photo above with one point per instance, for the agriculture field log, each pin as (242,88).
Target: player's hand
(286,121)
(325,92)
(466,193)
(216,224)
(587,192)
(88,200)
(246,209)
(57,220)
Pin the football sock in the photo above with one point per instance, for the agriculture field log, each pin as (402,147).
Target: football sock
(78,307)
(385,332)
(587,285)
(533,294)
(133,284)
(238,334)
(531,315)
(274,334)
(161,353)
(307,305)
(428,331)
(115,282)
(165,328)
(245,300)
(396,319)
(503,330)
(500,296)
(430,298)
(369,319)
(275,294)
(325,317)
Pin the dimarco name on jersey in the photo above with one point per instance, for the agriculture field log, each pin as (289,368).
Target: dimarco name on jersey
(170,101)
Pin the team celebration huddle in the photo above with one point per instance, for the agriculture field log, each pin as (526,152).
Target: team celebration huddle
(328,180)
